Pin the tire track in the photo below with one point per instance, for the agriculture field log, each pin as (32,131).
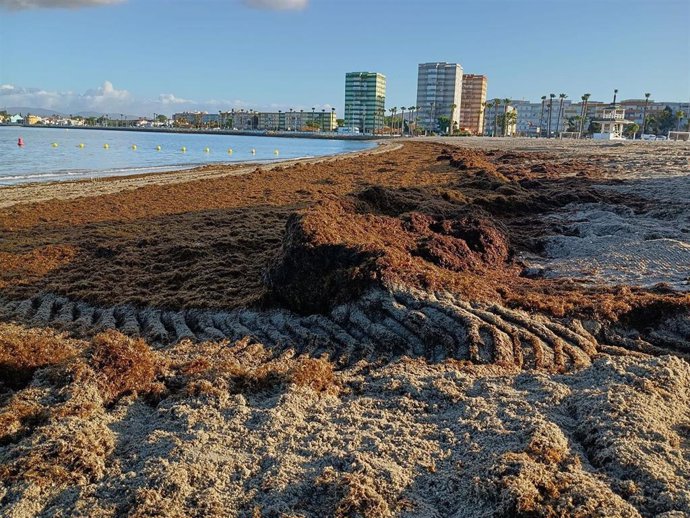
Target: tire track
(380,325)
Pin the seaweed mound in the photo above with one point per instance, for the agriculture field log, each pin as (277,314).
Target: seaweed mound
(315,268)
(337,249)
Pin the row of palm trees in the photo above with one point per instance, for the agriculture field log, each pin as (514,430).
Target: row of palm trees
(507,119)
(548,107)
(394,128)
(562,97)
(545,106)
(397,126)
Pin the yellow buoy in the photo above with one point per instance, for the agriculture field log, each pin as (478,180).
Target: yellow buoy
(106,146)
(158,148)
(134,147)
(276,152)
(253,151)
(183,149)
(54,144)
(81,146)
(229,151)
(207,150)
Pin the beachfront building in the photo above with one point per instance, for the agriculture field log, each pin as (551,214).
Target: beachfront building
(365,101)
(533,121)
(302,120)
(439,94)
(250,120)
(493,117)
(635,109)
(472,103)
(196,119)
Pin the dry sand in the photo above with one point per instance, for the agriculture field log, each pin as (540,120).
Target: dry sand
(468,327)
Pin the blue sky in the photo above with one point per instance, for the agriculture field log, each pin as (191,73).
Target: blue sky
(145,56)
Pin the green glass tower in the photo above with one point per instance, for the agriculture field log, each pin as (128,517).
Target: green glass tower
(365,101)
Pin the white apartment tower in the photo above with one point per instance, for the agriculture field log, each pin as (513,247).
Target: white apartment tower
(439,92)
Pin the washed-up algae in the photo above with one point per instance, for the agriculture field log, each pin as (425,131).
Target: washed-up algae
(353,338)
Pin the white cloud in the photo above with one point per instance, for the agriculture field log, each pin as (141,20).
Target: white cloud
(20,5)
(106,94)
(277,5)
(109,99)
(171,99)
(104,98)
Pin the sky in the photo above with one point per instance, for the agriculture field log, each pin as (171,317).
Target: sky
(163,56)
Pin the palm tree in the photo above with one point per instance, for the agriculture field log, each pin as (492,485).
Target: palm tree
(560,111)
(452,107)
(402,120)
(410,115)
(509,119)
(487,105)
(583,109)
(506,104)
(548,128)
(541,117)
(679,116)
(390,126)
(644,113)
(615,93)
(497,103)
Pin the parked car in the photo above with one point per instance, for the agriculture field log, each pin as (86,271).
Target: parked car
(647,136)
(661,137)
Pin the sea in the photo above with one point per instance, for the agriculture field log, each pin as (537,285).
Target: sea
(62,154)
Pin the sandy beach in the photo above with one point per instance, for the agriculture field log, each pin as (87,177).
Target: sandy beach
(462,327)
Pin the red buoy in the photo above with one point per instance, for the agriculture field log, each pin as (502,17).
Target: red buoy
(20,142)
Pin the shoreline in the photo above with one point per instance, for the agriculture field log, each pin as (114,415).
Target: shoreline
(35,192)
(244,133)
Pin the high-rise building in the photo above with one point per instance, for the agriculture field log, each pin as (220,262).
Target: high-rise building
(439,94)
(472,103)
(365,101)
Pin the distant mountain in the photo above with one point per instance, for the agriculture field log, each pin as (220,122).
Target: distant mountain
(42,112)
(33,111)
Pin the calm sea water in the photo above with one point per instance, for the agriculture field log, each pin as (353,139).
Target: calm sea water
(39,161)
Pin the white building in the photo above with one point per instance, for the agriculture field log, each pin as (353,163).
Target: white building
(533,119)
(439,94)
